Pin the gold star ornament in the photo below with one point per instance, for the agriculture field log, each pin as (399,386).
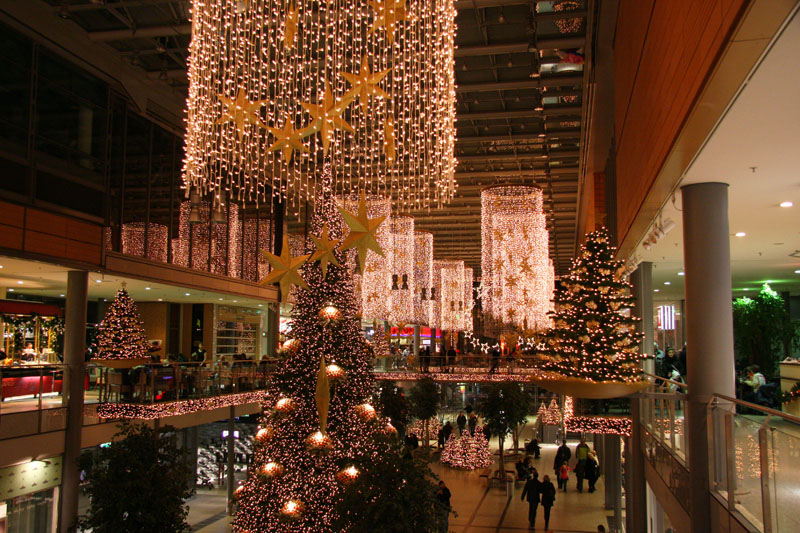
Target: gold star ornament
(284,269)
(290,27)
(324,252)
(327,118)
(240,111)
(365,84)
(387,14)
(288,140)
(362,232)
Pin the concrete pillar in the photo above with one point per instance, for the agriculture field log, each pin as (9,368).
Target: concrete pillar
(613,477)
(231,479)
(416,342)
(709,328)
(75,368)
(635,500)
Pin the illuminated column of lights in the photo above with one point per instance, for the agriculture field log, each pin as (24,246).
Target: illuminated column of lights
(133,240)
(516,269)
(223,233)
(404,285)
(451,295)
(191,248)
(374,285)
(567,25)
(276,87)
(468,300)
(258,234)
(423,277)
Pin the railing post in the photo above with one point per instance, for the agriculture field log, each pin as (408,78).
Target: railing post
(730,460)
(671,404)
(763,453)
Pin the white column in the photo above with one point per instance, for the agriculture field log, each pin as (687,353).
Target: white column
(709,327)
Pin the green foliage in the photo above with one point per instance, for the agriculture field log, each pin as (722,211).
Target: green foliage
(138,484)
(424,399)
(393,404)
(394,495)
(505,407)
(762,328)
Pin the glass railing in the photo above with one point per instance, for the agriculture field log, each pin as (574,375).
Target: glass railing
(753,463)
(464,367)
(662,414)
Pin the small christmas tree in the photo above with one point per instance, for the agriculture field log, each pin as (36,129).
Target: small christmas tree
(120,336)
(380,346)
(552,414)
(594,336)
(467,451)
(319,437)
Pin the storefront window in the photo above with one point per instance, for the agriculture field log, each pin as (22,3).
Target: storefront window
(238,332)
(31,512)
(668,324)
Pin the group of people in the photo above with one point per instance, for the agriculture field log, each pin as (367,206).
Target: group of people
(671,365)
(587,466)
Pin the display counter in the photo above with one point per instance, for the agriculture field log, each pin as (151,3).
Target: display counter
(790,374)
(26,380)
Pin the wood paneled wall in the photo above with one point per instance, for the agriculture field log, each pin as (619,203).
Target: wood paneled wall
(154,315)
(38,232)
(664,52)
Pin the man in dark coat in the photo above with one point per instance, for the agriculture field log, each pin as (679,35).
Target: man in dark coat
(562,455)
(548,492)
(532,491)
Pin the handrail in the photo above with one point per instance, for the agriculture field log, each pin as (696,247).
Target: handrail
(757,407)
(665,380)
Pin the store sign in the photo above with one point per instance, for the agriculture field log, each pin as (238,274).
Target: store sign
(666,317)
(409,332)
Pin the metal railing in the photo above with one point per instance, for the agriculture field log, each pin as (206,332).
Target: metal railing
(753,463)
(463,364)
(662,414)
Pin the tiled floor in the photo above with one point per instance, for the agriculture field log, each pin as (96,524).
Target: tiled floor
(478,508)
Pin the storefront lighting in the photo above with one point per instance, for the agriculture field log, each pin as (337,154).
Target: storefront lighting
(741,234)
(786,204)
(681,273)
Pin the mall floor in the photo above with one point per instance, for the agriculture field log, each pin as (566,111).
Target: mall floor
(478,507)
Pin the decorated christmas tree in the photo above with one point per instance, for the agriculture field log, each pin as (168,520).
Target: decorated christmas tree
(467,451)
(120,336)
(594,338)
(380,345)
(320,436)
(552,414)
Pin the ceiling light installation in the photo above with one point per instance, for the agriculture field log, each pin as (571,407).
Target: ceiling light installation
(452,309)
(423,277)
(517,273)
(659,231)
(278,87)
(403,286)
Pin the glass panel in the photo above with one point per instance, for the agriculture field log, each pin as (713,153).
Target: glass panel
(784,479)
(748,469)
(31,512)
(14,90)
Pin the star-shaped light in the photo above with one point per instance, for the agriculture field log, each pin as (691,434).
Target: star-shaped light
(387,14)
(288,140)
(499,235)
(290,27)
(365,84)
(240,111)
(324,252)
(511,281)
(525,267)
(388,138)
(498,264)
(362,232)
(284,269)
(327,118)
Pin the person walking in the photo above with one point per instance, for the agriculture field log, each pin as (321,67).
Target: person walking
(563,476)
(473,421)
(591,470)
(448,430)
(533,491)
(562,455)
(461,422)
(580,474)
(443,496)
(548,492)
(581,454)
(451,358)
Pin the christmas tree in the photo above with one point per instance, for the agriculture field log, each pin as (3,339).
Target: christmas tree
(552,414)
(594,336)
(319,436)
(120,335)
(467,451)
(379,343)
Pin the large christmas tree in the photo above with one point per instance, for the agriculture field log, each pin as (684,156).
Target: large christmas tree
(120,335)
(319,435)
(594,336)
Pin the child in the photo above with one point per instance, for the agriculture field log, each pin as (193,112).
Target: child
(563,476)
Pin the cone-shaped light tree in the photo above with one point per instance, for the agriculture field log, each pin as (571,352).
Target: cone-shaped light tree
(594,336)
(120,335)
(319,435)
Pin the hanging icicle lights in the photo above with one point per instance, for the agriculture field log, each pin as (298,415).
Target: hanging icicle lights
(452,307)
(403,283)
(423,277)
(276,87)
(517,273)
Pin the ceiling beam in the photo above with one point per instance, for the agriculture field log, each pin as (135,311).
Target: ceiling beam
(143,33)
(549,81)
(516,137)
(521,113)
(539,172)
(116,5)
(556,154)
(480,4)
(544,43)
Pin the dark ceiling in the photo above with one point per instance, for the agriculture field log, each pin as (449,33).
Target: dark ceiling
(520,96)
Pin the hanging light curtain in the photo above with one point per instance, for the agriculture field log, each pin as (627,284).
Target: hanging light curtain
(517,274)
(403,282)
(450,303)
(468,300)
(277,87)
(423,277)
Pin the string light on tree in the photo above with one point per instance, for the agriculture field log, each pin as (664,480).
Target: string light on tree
(467,451)
(120,336)
(276,87)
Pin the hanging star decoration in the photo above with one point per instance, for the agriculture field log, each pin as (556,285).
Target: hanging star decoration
(240,111)
(290,27)
(388,138)
(365,84)
(499,235)
(284,269)
(362,232)
(498,264)
(327,118)
(288,140)
(387,14)
(525,267)
(511,281)
(324,252)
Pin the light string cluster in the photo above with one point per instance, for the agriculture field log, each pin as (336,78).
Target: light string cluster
(517,273)
(423,277)
(121,334)
(277,87)
(467,451)
(135,411)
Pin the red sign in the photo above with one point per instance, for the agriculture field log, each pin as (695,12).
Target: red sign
(409,332)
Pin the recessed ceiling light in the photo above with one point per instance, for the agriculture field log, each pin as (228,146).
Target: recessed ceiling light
(667,283)
(797,271)
(236,301)
(681,273)
(786,204)
(260,305)
(741,234)
(187,294)
(220,299)
(98,281)
(745,289)
(60,295)
(656,290)
(1,266)
(147,288)
(105,300)
(20,282)
(160,299)
(10,290)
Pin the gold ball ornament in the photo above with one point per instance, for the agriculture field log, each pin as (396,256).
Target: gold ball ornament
(264,434)
(319,443)
(390,430)
(292,510)
(271,470)
(365,411)
(238,492)
(285,406)
(291,347)
(330,314)
(347,475)
(336,374)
